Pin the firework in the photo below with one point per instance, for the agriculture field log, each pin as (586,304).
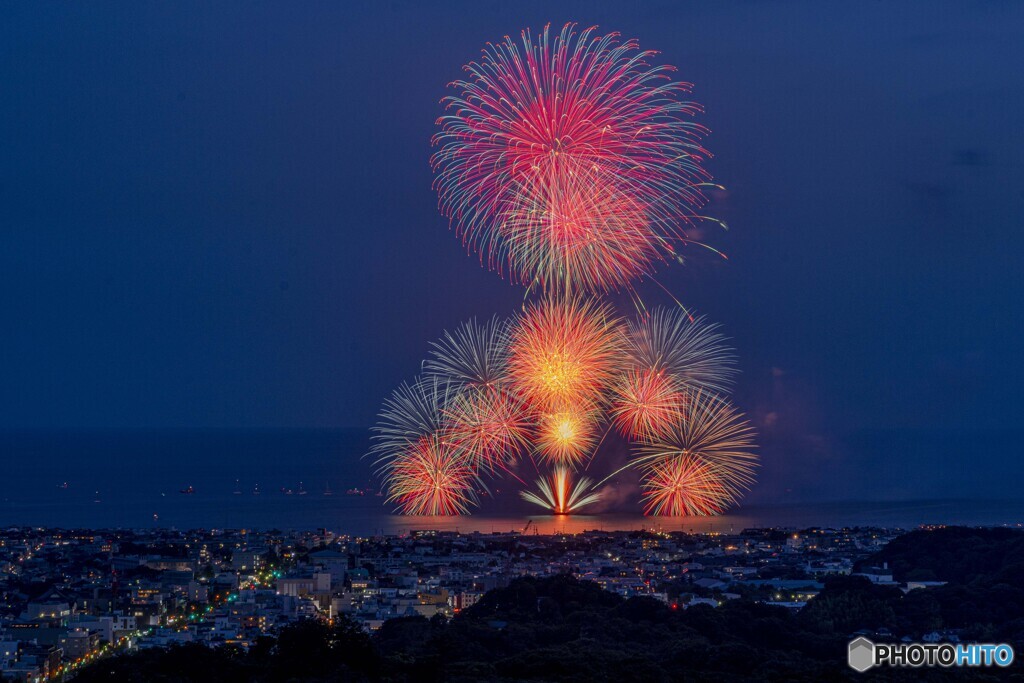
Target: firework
(559,494)
(424,471)
(712,441)
(489,426)
(689,348)
(684,486)
(646,403)
(584,232)
(570,161)
(667,352)
(413,411)
(567,435)
(431,478)
(562,354)
(475,354)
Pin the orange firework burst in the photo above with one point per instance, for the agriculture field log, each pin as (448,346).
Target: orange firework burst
(666,353)
(431,478)
(563,353)
(684,486)
(559,494)
(646,403)
(567,435)
(489,426)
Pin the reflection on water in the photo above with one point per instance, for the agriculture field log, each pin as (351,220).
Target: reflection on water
(904,515)
(366,515)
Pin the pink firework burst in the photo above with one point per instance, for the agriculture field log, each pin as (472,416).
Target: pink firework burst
(570,160)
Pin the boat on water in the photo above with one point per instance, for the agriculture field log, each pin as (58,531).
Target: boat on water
(302,491)
(256,490)
(187,491)
(238,488)
(355,492)
(327,490)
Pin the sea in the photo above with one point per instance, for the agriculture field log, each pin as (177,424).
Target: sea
(317,479)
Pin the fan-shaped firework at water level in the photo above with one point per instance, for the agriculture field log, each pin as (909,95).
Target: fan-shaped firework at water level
(570,160)
(559,493)
(572,163)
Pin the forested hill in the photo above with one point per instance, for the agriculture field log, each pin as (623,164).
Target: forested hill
(957,554)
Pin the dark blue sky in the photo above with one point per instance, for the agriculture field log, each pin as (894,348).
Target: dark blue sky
(220,215)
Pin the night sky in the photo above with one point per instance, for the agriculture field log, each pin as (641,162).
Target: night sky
(220,215)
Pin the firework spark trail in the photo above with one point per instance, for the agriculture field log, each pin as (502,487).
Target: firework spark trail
(559,494)
(570,161)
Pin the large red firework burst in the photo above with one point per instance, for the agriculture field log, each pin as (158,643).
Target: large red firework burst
(570,160)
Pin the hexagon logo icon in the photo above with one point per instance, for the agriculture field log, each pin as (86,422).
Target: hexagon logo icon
(861,655)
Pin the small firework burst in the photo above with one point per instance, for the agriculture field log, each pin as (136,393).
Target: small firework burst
(560,494)
(431,478)
(690,349)
(411,412)
(681,486)
(567,435)
(475,354)
(714,439)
